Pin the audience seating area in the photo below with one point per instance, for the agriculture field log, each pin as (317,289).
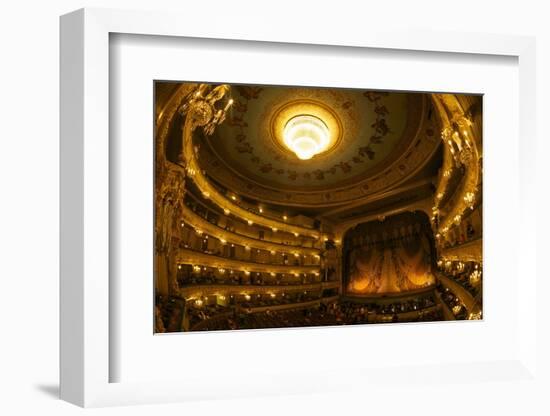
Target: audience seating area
(293,310)
(453,302)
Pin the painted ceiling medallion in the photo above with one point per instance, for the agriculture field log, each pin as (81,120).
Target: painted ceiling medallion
(306,136)
(368,132)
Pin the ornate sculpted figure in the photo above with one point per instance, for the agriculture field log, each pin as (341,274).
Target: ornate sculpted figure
(170,198)
(198,106)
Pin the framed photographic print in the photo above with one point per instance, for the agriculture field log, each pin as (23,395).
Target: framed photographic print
(280,214)
(281,206)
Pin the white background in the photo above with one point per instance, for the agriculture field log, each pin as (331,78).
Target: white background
(29,208)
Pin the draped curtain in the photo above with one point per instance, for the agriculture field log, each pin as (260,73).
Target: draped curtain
(391,266)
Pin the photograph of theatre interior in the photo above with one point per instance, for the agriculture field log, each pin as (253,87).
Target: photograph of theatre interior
(282,207)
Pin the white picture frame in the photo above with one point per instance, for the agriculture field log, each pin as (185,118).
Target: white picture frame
(86,301)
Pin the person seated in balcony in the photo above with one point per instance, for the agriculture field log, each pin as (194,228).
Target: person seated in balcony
(470,232)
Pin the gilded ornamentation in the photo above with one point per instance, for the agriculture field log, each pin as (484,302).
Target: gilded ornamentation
(169,203)
(186,256)
(461,150)
(170,177)
(195,170)
(422,145)
(470,251)
(202,110)
(380,131)
(189,217)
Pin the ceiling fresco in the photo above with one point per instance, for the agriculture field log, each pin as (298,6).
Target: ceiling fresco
(374,126)
(372,131)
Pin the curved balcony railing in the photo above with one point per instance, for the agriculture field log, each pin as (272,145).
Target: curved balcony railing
(462,147)
(469,251)
(462,293)
(187,256)
(211,192)
(261,309)
(240,226)
(402,316)
(221,234)
(447,312)
(196,291)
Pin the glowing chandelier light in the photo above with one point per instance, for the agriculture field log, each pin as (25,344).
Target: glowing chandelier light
(306,136)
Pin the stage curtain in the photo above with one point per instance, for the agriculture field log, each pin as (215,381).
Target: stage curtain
(390,267)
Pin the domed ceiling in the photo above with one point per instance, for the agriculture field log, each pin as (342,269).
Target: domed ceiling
(372,135)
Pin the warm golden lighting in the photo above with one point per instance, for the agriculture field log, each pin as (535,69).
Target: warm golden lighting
(469,198)
(306,136)
(229,104)
(475,316)
(475,277)
(314,161)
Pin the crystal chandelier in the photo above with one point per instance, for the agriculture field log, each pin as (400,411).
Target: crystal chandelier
(306,136)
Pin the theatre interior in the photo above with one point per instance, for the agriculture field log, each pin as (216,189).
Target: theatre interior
(282,207)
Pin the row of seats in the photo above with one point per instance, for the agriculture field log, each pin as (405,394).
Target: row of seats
(203,275)
(315,316)
(466,274)
(223,219)
(452,301)
(332,313)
